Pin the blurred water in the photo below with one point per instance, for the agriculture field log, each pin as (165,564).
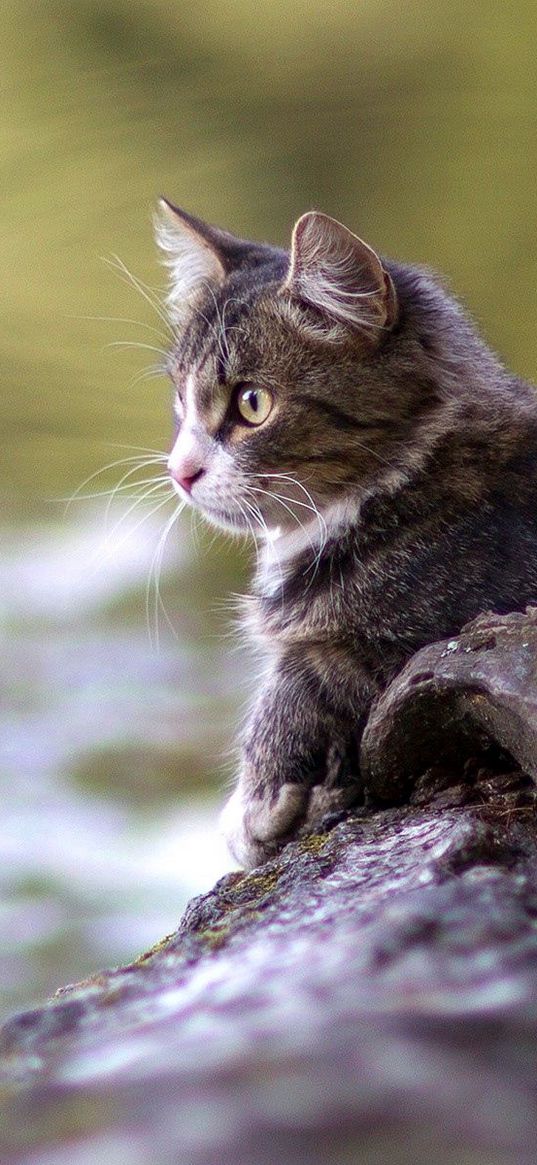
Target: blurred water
(110,754)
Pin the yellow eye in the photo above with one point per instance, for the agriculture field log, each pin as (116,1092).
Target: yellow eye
(254,405)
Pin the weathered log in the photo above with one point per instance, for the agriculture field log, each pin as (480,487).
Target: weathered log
(370,995)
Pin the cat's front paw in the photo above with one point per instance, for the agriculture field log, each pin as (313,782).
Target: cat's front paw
(325,803)
(256,827)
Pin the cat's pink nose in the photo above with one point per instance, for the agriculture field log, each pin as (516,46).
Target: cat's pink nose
(185,463)
(186,481)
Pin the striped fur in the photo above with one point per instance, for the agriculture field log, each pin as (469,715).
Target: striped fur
(391,490)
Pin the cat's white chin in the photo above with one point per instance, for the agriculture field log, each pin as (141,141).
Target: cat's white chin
(233,523)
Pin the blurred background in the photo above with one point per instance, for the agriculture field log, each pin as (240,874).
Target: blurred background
(415,124)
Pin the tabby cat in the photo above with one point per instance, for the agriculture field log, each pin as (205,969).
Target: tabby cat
(341,408)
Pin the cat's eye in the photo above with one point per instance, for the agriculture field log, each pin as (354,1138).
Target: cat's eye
(254,404)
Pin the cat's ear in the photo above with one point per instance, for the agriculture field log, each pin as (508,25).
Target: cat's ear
(336,272)
(191,254)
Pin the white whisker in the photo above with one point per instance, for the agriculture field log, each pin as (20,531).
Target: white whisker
(142,464)
(136,468)
(153,372)
(116,264)
(139,448)
(247,520)
(194,530)
(148,493)
(106,493)
(105,549)
(320,521)
(154,574)
(125,320)
(265,530)
(293,481)
(310,505)
(137,344)
(231,327)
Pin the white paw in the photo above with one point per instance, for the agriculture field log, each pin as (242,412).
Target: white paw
(254,827)
(232,825)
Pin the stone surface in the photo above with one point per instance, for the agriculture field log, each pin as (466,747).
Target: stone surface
(453,699)
(368,996)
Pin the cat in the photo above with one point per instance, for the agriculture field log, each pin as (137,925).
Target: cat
(342,408)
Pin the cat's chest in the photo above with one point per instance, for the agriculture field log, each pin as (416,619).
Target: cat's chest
(305,611)
(363,603)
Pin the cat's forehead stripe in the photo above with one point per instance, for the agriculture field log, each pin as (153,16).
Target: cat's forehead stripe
(190,394)
(201,405)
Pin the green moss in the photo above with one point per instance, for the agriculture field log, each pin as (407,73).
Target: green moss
(313,844)
(214,937)
(248,889)
(154,950)
(263,884)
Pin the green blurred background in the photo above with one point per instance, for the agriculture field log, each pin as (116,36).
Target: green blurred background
(416,125)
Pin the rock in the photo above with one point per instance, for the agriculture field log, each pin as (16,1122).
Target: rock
(369,996)
(454,700)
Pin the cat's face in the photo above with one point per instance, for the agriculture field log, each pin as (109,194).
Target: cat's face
(273,370)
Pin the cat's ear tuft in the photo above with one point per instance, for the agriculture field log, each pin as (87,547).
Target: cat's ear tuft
(334,271)
(190,254)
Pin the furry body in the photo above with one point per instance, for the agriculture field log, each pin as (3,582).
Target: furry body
(395,489)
